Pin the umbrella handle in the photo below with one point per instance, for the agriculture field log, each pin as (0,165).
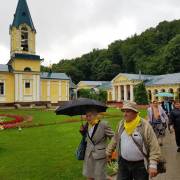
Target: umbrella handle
(82,121)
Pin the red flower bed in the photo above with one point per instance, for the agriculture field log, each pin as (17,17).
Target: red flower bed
(12,123)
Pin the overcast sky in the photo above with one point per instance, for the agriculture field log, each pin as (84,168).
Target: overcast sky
(70,28)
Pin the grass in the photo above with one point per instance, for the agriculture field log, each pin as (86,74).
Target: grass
(46,152)
(4,119)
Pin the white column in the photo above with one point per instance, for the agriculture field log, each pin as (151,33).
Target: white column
(131,93)
(38,88)
(125,92)
(67,90)
(34,88)
(16,87)
(76,96)
(60,91)
(48,90)
(119,93)
(20,88)
(113,93)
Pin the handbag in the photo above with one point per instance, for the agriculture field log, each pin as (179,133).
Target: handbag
(161,164)
(80,152)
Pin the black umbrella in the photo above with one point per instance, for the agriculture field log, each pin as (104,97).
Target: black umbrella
(80,106)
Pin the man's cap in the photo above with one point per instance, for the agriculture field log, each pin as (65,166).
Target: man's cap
(130,106)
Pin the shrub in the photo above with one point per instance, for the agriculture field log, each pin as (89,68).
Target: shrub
(92,94)
(140,94)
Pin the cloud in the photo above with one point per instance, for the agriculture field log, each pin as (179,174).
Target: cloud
(69,28)
(4,54)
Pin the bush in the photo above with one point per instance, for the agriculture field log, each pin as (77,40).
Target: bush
(140,94)
(92,94)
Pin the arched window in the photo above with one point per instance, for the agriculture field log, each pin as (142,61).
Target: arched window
(155,92)
(171,91)
(27,69)
(24,39)
(163,90)
(149,95)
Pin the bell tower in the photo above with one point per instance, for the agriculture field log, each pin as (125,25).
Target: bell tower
(22,31)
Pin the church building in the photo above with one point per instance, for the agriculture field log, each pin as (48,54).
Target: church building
(21,81)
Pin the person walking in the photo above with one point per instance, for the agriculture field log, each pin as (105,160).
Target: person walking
(98,132)
(174,123)
(133,139)
(167,106)
(158,119)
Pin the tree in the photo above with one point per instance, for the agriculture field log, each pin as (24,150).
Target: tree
(92,94)
(154,51)
(171,57)
(140,94)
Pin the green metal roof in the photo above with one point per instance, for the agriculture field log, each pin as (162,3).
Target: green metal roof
(22,15)
(105,86)
(164,79)
(26,56)
(51,75)
(5,68)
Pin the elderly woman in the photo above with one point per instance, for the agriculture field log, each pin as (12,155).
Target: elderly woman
(95,157)
(158,119)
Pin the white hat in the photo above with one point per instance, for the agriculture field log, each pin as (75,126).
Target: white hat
(130,105)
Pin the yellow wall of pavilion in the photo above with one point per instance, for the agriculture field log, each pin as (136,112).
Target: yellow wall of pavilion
(120,78)
(109,95)
(64,90)
(165,87)
(43,90)
(123,80)
(8,79)
(82,85)
(54,90)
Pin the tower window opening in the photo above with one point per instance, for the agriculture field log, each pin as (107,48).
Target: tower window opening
(24,39)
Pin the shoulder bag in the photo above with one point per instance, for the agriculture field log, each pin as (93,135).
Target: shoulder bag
(161,164)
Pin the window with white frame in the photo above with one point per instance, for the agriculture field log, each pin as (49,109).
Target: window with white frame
(27,84)
(1,88)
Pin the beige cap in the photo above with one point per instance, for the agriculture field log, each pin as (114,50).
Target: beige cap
(130,105)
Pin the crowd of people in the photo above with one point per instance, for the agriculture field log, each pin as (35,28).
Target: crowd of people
(136,140)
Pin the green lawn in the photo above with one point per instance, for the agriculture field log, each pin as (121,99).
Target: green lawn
(44,153)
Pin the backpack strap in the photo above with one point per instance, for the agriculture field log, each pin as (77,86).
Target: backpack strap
(121,128)
(141,131)
(140,148)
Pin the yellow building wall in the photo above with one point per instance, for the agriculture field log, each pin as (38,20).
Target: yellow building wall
(64,90)
(120,78)
(21,64)
(8,78)
(16,40)
(54,91)
(83,85)
(27,91)
(43,90)
(159,88)
(109,94)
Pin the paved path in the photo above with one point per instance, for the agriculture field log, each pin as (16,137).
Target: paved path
(172,158)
